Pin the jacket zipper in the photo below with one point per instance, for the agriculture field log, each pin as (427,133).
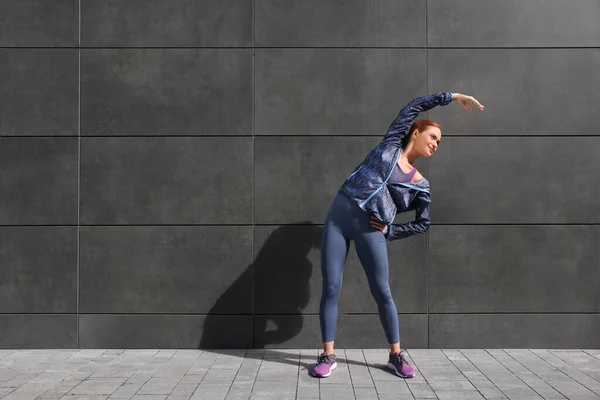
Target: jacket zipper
(384,183)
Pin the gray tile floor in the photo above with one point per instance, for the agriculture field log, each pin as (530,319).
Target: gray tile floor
(282,374)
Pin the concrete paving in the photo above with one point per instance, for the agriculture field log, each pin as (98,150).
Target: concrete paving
(283,374)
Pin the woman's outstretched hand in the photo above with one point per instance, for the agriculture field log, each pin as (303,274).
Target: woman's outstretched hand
(466,100)
(378,225)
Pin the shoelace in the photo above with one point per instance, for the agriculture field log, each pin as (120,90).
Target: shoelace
(398,358)
(325,358)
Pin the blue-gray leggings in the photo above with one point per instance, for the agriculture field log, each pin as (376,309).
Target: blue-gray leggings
(346,221)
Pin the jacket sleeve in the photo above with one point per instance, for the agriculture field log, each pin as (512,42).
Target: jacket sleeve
(399,127)
(417,227)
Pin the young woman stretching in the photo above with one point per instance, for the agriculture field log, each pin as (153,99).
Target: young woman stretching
(384,184)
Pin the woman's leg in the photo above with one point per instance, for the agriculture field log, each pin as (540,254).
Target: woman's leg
(334,251)
(371,248)
(372,251)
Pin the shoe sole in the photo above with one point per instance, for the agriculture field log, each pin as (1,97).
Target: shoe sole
(391,366)
(333,366)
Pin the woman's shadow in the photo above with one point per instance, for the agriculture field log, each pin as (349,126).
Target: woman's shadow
(280,277)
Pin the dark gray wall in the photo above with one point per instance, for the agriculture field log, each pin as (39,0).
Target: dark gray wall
(165,168)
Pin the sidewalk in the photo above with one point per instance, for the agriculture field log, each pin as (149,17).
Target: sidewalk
(282,374)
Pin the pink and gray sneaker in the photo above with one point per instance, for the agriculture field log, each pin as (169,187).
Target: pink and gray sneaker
(400,366)
(325,364)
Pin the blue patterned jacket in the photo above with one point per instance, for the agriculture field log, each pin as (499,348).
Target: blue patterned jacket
(368,184)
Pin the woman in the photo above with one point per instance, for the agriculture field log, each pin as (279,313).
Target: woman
(384,184)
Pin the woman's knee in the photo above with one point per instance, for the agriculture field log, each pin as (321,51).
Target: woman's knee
(331,290)
(382,294)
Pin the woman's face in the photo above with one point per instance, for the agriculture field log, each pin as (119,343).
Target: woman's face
(427,140)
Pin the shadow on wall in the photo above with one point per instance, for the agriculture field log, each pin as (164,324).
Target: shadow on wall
(281,276)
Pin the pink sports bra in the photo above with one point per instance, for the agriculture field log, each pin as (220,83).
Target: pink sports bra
(399,176)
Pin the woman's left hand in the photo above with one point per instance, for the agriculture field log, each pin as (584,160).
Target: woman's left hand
(375,223)
(466,100)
